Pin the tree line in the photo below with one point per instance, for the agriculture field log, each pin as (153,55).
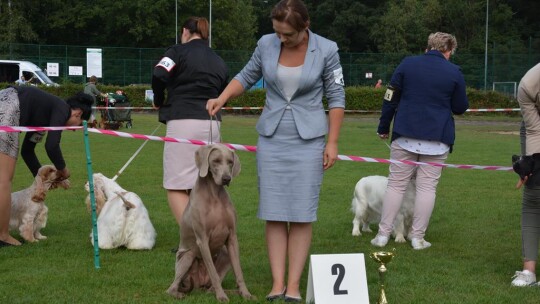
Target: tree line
(370,26)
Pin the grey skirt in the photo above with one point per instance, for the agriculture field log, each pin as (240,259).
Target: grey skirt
(9,116)
(290,173)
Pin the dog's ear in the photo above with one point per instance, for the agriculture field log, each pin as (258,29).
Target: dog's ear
(236,165)
(88,203)
(99,195)
(100,199)
(66,184)
(62,184)
(201,159)
(40,191)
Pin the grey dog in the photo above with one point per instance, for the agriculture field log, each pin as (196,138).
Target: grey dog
(208,242)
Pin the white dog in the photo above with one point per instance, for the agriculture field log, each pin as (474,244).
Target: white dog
(28,209)
(367,206)
(122,218)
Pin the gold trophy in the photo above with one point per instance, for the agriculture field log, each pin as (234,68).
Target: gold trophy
(383,258)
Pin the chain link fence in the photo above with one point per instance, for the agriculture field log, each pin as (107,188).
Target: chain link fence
(126,66)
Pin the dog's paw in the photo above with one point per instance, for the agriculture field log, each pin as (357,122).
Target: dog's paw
(222,297)
(356,232)
(400,238)
(175,293)
(367,229)
(247,295)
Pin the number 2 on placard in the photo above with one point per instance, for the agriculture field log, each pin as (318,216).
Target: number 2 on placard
(339,270)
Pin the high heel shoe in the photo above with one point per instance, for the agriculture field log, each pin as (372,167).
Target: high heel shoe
(276,297)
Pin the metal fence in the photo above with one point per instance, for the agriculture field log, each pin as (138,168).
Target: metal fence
(125,66)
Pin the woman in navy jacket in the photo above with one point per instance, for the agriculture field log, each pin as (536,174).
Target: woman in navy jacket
(424,93)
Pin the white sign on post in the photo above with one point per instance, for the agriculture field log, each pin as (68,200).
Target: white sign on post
(93,63)
(337,279)
(75,70)
(149,96)
(53,69)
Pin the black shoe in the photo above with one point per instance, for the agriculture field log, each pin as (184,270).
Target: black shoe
(293,299)
(276,297)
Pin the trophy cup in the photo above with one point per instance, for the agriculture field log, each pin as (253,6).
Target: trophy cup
(383,258)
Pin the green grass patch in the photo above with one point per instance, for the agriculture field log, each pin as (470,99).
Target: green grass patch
(475,227)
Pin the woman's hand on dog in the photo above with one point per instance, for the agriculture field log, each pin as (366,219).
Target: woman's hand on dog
(62,174)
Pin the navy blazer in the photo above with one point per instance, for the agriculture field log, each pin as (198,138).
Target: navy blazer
(321,73)
(432,89)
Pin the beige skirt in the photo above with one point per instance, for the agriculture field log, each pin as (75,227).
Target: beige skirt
(179,170)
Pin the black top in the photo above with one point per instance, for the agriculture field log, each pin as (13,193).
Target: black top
(192,73)
(41,109)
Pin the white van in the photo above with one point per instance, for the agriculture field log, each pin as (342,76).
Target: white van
(12,70)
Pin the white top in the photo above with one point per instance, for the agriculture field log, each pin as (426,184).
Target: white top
(289,77)
(420,146)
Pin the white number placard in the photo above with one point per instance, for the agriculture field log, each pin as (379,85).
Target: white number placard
(337,278)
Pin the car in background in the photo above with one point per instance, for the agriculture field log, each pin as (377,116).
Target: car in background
(12,70)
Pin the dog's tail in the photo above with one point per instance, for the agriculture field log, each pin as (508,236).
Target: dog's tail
(127,204)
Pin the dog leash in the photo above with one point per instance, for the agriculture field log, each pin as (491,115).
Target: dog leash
(210,139)
(134,155)
(386,143)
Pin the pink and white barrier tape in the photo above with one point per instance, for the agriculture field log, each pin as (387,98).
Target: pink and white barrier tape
(495,110)
(8,129)
(246,148)
(123,108)
(260,108)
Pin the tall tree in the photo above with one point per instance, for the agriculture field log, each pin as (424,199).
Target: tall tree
(14,26)
(347,22)
(405,25)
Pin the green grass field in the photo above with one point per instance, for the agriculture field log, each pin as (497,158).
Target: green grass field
(475,227)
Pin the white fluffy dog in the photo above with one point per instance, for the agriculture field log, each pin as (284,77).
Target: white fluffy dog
(122,218)
(367,206)
(28,209)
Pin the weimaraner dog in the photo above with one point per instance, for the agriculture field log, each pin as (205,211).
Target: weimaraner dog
(208,241)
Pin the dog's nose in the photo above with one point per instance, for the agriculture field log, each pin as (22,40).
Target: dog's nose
(226,180)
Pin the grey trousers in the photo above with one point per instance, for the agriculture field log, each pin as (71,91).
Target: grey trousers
(530,223)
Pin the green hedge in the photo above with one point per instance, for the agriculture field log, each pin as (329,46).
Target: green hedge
(358,98)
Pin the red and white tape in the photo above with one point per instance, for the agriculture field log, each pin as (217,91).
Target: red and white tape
(260,108)
(246,148)
(495,110)
(123,108)
(9,129)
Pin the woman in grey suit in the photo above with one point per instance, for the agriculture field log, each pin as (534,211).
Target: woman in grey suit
(298,66)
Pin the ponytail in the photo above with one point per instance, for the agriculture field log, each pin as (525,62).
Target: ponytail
(197,25)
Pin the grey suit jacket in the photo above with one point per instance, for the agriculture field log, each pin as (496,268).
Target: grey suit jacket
(321,73)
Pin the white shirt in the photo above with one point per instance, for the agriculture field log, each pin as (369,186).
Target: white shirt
(289,77)
(420,146)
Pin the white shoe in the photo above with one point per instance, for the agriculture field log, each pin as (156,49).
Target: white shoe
(379,241)
(419,244)
(524,278)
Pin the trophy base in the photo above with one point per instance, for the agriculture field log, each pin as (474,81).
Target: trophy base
(382,298)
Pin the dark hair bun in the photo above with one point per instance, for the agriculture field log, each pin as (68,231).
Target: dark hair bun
(81,101)
(84,98)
